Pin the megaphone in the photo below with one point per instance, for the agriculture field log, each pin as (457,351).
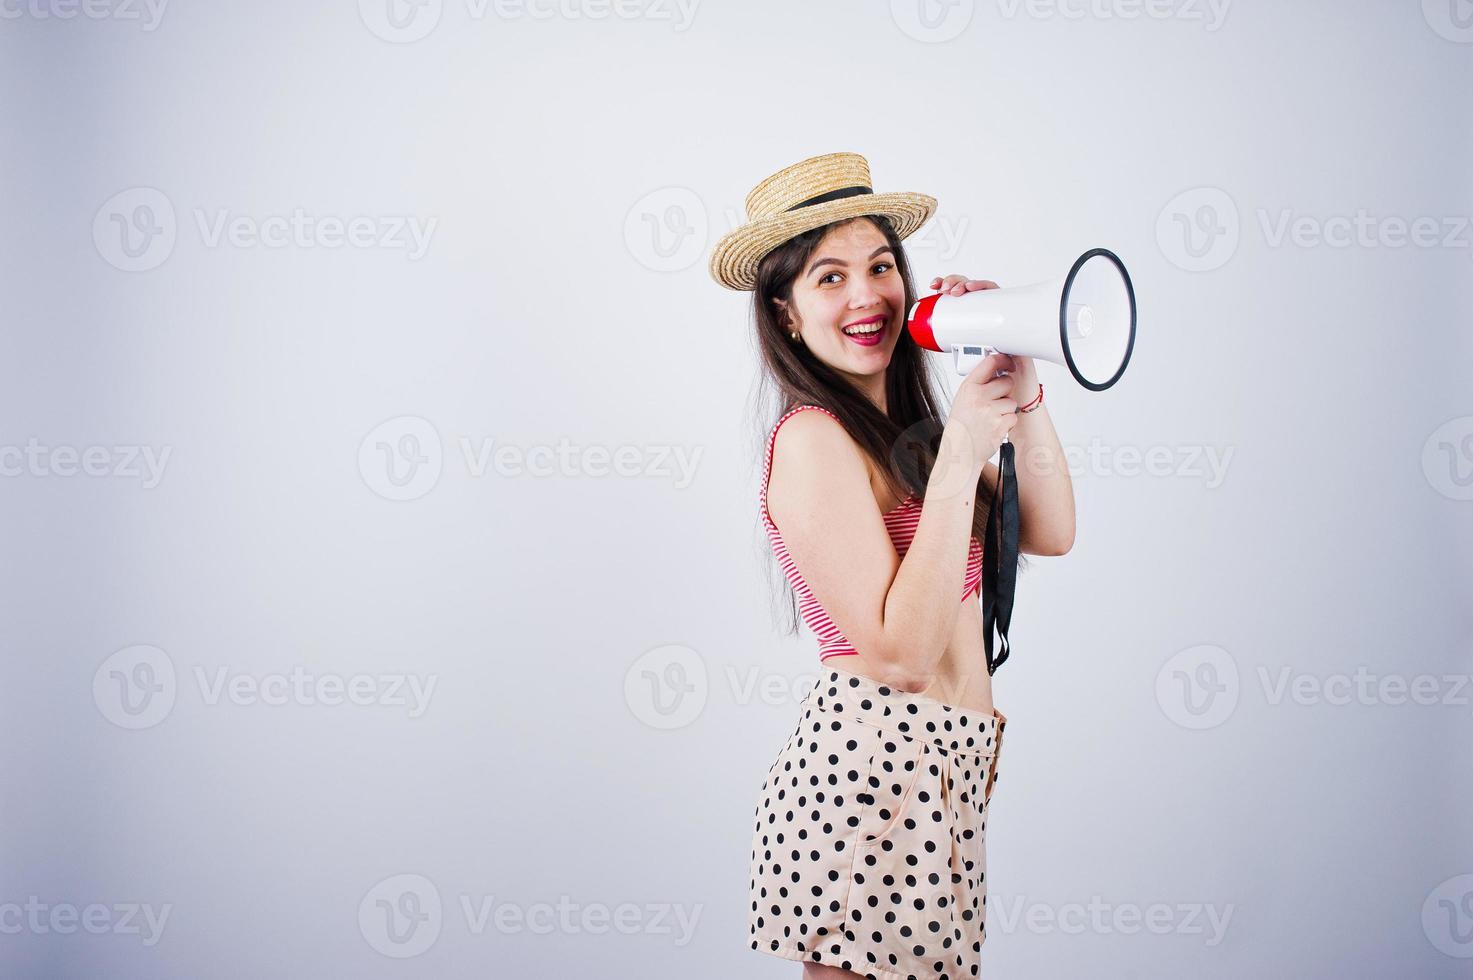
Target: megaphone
(1084,321)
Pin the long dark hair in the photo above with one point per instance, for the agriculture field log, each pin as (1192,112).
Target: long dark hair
(902,444)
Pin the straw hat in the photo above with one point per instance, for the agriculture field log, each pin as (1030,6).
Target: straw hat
(802,197)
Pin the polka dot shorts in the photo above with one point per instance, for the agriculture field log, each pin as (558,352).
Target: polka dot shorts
(869,851)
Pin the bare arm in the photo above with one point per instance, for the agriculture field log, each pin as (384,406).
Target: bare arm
(898,614)
(1045,491)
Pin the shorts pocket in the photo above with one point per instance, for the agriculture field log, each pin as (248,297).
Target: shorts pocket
(894,772)
(992,763)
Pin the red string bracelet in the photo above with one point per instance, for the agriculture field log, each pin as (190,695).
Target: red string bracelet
(1033,405)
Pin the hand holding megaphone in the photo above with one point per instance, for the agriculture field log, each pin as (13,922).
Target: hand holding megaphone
(984,406)
(1084,321)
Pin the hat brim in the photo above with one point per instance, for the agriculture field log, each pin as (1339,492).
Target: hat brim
(736,256)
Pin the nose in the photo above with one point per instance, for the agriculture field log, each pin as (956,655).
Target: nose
(863,296)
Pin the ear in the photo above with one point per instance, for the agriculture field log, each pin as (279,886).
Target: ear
(784,318)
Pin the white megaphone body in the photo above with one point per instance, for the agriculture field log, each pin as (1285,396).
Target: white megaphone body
(1084,321)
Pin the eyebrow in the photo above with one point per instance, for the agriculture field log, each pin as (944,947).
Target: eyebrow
(815,265)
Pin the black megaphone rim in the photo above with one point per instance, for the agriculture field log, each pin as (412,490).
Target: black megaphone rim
(1064,319)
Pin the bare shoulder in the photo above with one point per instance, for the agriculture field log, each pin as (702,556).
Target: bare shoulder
(815,464)
(812,439)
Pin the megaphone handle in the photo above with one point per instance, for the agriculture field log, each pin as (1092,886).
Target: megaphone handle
(969,356)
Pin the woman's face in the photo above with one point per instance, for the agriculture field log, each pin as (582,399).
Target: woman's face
(849,288)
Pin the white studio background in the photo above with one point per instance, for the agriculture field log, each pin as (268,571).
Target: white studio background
(335,642)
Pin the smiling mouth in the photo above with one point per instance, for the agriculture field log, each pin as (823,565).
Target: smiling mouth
(867,334)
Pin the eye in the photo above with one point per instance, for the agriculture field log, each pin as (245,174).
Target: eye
(886,266)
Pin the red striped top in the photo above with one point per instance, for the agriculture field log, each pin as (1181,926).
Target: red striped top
(901,522)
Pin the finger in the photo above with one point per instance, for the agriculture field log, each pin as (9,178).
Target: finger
(999,387)
(984,369)
(981,284)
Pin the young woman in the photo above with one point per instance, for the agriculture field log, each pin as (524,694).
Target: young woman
(868,851)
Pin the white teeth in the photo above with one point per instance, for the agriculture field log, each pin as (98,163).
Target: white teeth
(865,328)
